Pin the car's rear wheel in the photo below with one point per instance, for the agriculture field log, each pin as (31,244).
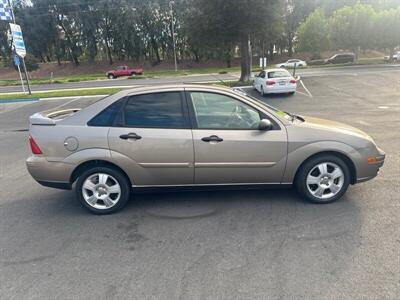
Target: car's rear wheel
(102,190)
(323,179)
(111,76)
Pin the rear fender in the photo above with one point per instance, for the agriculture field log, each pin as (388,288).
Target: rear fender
(125,163)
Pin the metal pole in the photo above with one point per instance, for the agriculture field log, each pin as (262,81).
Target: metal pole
(23,60)
(173,34)
(20,77)
(263,55)
(26,76)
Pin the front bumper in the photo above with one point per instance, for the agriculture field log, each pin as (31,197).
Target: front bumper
(371,170)
(50,174)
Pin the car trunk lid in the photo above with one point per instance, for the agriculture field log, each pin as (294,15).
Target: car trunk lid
(50,118)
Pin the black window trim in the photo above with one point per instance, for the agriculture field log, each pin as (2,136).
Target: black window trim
(119,120)
(276,126)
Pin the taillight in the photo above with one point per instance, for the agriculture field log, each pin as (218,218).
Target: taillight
(270,82)
(34,147)
(293,81)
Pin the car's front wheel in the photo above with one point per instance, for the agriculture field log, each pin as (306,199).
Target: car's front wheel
(102,190)
(111,76)
(323,179)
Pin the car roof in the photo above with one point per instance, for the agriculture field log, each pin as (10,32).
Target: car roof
(178,86)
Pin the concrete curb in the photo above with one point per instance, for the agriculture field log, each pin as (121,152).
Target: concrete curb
(18,100)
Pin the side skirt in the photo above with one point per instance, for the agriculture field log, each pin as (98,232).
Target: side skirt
(205,187)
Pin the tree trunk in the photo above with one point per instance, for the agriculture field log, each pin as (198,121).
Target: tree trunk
(357,53)
(196,55)
(156,51)
(110,60)
(245,58)
(290,45)
(92,50)
(228,58)
(271,52)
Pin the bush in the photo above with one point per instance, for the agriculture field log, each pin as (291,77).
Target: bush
(31,63)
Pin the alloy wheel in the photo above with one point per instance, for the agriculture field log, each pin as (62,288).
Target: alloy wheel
(325,180)
(101,191)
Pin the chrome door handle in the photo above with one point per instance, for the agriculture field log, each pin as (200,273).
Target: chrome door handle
(130,135)
(212,138)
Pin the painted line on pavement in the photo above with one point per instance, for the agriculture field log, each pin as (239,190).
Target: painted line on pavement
(304,86)
(303,93)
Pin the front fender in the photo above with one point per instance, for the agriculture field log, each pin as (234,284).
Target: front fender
(297,155)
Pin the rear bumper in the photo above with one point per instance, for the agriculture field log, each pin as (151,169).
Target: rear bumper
(51,174)
(56,185)
(280,90)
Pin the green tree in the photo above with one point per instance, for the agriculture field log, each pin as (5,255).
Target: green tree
(386,29)
(351,27)
(312,34)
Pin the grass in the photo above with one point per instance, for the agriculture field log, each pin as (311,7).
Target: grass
(171,73)
(61,93)
(147,74)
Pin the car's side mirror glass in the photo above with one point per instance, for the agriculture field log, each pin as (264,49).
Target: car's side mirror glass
(265,125)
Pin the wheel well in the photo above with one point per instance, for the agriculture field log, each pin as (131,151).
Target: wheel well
(95,163)
(346,159)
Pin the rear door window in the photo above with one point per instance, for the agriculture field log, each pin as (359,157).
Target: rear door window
(156,110)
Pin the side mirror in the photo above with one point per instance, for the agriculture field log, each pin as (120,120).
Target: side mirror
(256,75)
(265,125)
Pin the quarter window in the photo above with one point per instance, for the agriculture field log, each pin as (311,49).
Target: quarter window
(217,111)
(158,110)
(107,116)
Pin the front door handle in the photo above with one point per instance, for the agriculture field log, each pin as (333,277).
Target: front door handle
(130,135)
(212,138)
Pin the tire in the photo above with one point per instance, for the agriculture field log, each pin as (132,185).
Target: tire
(309,173)
(97,196)
(110,76)
(291,93)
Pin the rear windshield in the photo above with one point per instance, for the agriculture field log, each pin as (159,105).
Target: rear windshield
(278,74)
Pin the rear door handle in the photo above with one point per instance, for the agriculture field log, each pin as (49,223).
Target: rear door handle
(212,138)
(130,135)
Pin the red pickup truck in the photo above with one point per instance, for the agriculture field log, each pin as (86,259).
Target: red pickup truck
(123,71)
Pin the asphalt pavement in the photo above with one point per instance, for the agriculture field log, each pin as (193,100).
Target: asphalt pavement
(123,82)
(265,244)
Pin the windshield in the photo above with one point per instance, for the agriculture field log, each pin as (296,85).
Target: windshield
(280,113)
(278,74)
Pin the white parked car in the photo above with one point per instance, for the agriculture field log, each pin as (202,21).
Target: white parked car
(275,81)
(291,63)
(395,57)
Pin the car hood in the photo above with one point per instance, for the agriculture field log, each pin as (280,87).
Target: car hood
(334,127)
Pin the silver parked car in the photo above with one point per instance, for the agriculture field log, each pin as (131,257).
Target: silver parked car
(196,136)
